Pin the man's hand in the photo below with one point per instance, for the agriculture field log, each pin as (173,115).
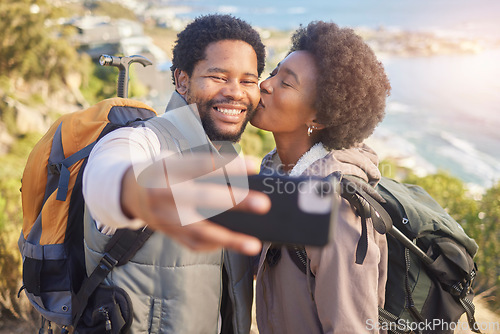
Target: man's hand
(159,207)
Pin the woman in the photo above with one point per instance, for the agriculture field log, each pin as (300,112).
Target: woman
(321,102)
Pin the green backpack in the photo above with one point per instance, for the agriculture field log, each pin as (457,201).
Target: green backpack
(430,262)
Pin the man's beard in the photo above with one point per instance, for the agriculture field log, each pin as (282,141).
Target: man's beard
(205,109)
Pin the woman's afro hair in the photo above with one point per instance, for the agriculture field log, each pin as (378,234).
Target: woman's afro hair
(351,87)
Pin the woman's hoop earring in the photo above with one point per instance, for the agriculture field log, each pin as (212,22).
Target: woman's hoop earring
(310,130)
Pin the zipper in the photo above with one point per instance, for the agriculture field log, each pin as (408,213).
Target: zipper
(231,293)
(219,315)
(107,323)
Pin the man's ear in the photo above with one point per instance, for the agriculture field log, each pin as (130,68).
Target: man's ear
(181,81)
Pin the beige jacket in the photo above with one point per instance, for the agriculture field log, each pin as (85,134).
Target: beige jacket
(341,297)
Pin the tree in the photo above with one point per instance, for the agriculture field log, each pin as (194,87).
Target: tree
(11,166)
(29,45)
(487,235)
(451,193)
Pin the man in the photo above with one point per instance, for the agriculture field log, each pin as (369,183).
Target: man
(216,65)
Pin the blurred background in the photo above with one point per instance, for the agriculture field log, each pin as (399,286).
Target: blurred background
(442,58)
(442,120)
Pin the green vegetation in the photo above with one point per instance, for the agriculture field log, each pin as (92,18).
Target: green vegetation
(35,48)
(36,61)
(487,235)
(30,48)
(102,83)
(256,142)
(12,166)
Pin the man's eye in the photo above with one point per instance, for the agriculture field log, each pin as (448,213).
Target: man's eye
(285,84)
(249,82)
(216,78)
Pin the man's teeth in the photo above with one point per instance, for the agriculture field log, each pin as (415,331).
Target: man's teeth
(232,112)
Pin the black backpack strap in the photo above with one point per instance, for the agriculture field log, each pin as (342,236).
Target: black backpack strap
(366,202)
(362,246)
(460,291)
(119,250)
(470,310)
(351,185)
(393,324)
(298,255)
(125,243)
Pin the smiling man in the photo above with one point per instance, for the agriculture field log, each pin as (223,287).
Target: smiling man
(221,76)
(217,61)
(224,86)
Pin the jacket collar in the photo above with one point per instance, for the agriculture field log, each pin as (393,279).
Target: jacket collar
(359,160)
(176,101)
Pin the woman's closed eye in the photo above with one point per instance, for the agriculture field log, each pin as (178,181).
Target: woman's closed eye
(284,83)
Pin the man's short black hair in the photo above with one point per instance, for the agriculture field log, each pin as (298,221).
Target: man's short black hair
(193,40)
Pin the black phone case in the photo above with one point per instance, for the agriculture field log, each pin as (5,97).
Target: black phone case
(287,222)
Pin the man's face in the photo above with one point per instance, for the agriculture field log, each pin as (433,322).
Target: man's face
(225,88)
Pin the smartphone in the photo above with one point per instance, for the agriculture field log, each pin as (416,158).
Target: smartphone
(304,210)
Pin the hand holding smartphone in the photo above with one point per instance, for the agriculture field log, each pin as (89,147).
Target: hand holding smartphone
(304,210)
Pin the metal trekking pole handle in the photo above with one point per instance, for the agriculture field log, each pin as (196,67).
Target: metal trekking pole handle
(410,245)
(123,64)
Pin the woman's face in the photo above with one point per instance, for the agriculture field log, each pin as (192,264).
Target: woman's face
(287,96)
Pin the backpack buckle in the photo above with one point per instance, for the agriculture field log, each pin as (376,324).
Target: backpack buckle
(466,290)
(467,285)
(54,169)
(461,289)
(108,262)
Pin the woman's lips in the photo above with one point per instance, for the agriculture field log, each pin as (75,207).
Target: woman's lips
(260,105)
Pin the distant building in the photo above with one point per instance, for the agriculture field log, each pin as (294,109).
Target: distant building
(168,17)
(100,35)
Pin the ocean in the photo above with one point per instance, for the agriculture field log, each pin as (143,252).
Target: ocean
(474,17)
(444,110)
